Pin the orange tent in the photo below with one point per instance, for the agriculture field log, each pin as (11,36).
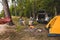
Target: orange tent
(54,26)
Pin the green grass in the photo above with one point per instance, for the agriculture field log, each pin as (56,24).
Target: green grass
(35,22)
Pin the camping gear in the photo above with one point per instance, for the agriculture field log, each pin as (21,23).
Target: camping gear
(54,26)
(31,27)
(4,20)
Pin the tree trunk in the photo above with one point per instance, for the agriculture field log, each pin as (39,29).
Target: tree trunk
(6,10)
(33,10)
(14,4)
(55,10)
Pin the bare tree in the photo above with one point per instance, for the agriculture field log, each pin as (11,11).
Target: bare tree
(6,10)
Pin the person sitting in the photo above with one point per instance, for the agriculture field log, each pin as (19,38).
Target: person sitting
(46,19)
(31,21)
(22,22)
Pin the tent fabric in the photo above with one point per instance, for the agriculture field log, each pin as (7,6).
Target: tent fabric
(54,25)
